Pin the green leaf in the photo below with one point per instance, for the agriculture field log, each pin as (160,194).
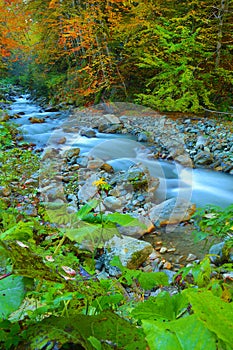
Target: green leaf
(94,233)
(26,262)
(12,292)
(149,280)
(186,333)
(123,219)
(163,307)
(108,328)
(213,312)
(87,208)
(95,343)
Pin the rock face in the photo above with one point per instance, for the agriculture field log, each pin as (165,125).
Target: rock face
(171,211)
(132,252)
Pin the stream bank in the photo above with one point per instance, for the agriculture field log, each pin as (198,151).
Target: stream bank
(92,155)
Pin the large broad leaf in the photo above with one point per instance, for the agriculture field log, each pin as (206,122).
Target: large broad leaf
(109,330)
(12,292)
(186,333)
(164,307)
(123,219)
(28,263)
(94,233)
(216,314)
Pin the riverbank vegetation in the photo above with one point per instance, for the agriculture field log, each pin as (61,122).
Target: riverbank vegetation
(171,56)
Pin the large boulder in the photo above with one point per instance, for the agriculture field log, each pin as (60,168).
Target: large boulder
(131,252)
(171,211)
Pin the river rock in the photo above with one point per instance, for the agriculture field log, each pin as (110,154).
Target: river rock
(109,128)
(50,153)
(221,253)
(95,163)
(88,190)
(171,211)
(5,191)
(203,158)
(107,167)
(142,137)
(201,141)
(73,152)
(184,160)
(112,203)
(131,252)
(87,132)
(35,120)
(112,119)
(137,231)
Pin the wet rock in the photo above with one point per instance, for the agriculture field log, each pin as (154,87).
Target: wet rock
(185,160)
(142,137)
(131,251)
(171,211)
(87,132)
(35,120)
(203,158)
(51,109)
(107,167)
(4,117)
(61,141)
(73,152)
(137,231)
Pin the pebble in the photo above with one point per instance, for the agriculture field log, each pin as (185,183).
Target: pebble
(163,250)
(167,265)
(191,257)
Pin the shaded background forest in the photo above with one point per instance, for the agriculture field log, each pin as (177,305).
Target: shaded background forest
(169,55)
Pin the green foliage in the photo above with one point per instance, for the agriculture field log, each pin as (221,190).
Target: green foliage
(147,280)
(179,334)
(12,293)
(110,330)
(87,225)
(5,136)
(162,308)
(213,312)
(214,220)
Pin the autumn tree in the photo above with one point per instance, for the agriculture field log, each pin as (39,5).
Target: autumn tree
(14,25)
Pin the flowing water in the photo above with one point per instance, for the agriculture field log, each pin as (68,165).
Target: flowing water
(201,186)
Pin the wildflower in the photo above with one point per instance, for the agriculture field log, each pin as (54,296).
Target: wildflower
(99,182)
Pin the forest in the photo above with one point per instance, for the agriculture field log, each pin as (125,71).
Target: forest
(169,55)
(116,166)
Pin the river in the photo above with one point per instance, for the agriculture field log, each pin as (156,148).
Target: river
(201,186)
